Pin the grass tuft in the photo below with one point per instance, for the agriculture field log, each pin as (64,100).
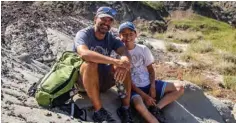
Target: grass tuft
(230,82)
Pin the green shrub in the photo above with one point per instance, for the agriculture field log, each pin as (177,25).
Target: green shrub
(202,47)
(226,68)
(157,5)
(173,48)
(230,82)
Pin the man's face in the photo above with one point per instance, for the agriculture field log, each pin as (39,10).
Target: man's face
(128,36)
(103,24)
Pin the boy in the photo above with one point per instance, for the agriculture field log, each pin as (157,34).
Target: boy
(145,89)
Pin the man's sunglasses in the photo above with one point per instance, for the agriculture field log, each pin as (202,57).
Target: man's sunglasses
(109,10)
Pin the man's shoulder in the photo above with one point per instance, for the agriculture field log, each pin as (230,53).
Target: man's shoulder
(86,30)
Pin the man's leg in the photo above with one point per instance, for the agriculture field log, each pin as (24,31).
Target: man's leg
(142,109)
(172,92)
(90,80)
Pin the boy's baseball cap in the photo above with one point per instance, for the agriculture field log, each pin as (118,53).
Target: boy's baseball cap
(127,24)
(106,12)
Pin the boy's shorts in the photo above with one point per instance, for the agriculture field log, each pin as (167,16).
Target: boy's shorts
(160,89)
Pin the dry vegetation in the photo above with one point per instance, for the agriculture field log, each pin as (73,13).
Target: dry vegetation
(226,91)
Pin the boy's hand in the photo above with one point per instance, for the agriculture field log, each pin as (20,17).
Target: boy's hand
(152,91)
(149,101)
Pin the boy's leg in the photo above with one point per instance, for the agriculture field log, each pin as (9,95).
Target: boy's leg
(169,91)
(142,109)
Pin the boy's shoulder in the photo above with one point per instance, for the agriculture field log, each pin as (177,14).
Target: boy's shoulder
(141,46)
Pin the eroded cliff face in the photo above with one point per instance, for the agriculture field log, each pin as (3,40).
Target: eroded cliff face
(221,10)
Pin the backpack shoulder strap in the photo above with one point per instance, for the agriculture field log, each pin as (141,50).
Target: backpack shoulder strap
(33,88)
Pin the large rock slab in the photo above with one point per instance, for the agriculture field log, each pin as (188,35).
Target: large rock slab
(193,107)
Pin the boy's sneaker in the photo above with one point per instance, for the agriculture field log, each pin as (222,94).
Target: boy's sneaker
(102,116)
(125,115)
(157,113)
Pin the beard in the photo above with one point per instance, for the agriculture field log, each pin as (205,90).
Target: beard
(103,29)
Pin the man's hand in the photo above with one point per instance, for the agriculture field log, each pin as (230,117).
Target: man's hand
(152,91)
(120,74)
(123,63)
(149,101)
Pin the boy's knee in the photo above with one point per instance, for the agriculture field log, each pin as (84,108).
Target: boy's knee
(180,88)
(137,99)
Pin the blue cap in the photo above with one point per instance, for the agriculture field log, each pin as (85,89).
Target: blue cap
(127,24)
(106,12)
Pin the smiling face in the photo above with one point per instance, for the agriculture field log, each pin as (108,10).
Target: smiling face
(103,24)
(128,37)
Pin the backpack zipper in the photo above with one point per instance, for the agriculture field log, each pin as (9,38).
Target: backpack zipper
(64,84)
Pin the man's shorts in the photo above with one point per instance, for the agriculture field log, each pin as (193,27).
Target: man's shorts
(106,78)
(160,89)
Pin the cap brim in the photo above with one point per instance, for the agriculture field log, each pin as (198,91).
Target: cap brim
(127,28)
(105,15)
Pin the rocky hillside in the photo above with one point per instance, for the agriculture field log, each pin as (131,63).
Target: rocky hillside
(222,10)
(34,34)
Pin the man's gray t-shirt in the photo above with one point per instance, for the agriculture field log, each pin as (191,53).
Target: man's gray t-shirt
(87,37)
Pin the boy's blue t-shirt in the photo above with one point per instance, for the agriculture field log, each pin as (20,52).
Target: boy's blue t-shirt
(87,37)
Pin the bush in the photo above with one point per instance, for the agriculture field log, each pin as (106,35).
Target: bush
(226,68)
(230,82)
(183,36)
(229,57)
(157,5)
(173,48)
(188,56)
(202,47)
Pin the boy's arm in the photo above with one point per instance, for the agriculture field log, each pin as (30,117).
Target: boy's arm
(138,91)
(151,72)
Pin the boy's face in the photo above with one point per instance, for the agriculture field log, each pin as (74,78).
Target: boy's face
(128,36)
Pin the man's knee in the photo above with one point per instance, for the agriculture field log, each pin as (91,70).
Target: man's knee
(91,66)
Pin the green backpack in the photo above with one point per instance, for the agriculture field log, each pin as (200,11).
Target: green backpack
(55,87)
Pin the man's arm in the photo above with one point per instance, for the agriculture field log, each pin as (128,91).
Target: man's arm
(92,56)
(120,73)
(123,52)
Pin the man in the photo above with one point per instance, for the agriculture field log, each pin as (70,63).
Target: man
(144,86)
(94,45)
